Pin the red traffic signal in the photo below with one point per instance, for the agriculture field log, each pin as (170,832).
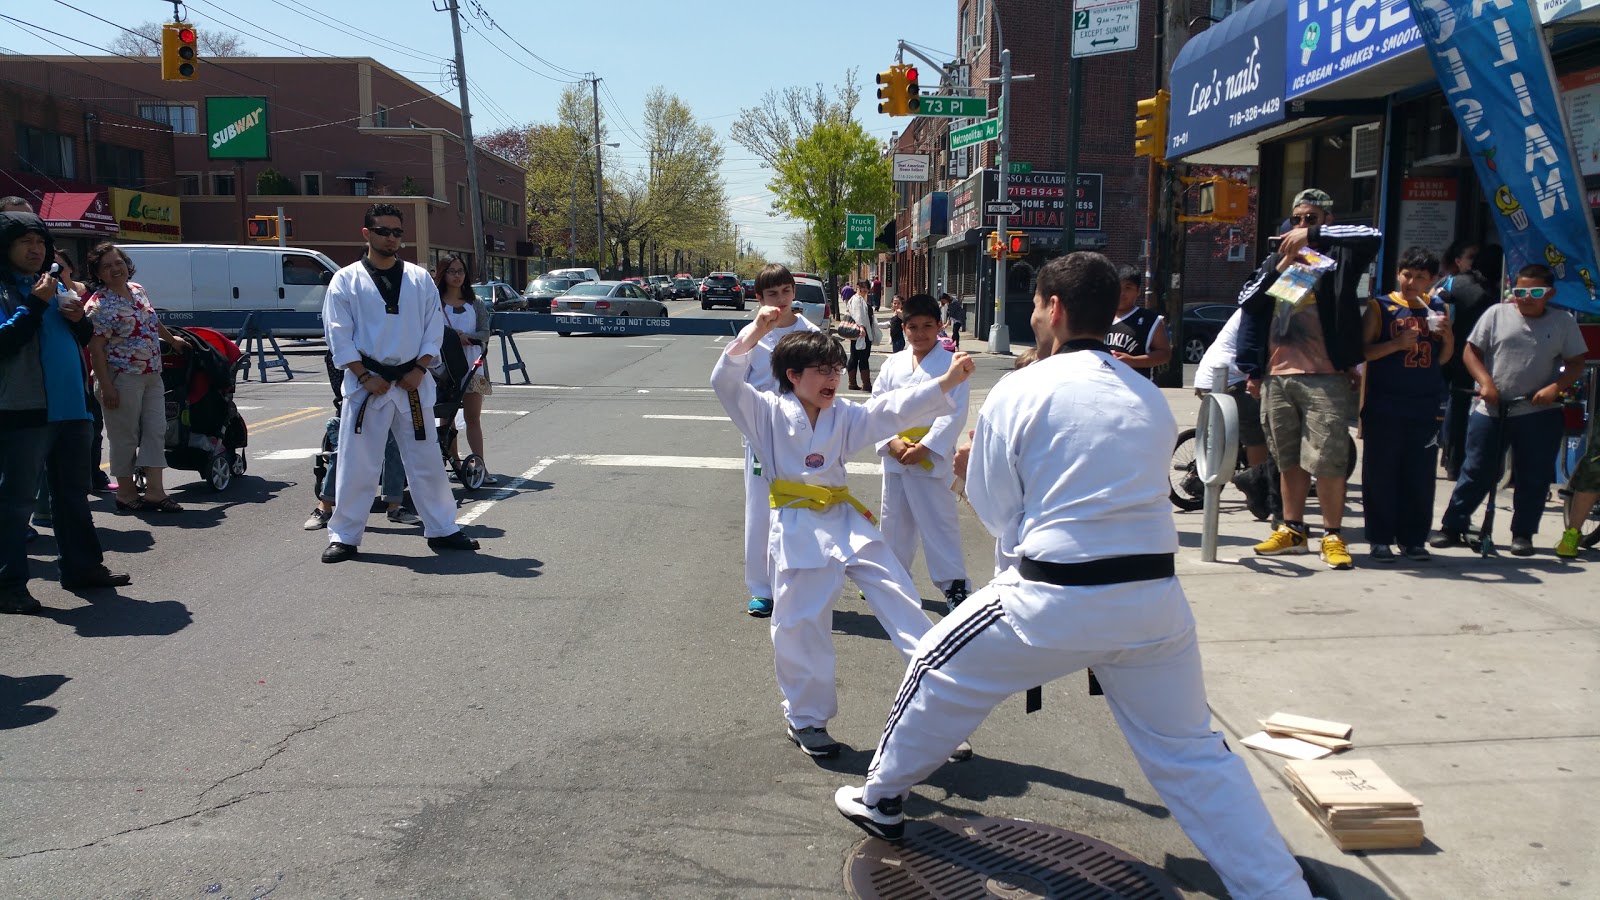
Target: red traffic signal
(186,35)
(913,91)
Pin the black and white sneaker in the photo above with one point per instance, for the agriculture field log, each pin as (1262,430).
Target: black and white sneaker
(885,820)
(814,741)
(955,595)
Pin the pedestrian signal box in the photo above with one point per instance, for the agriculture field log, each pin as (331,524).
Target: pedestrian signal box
(265,228)
(1017,245)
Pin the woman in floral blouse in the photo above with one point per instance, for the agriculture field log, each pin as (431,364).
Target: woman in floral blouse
(126,355)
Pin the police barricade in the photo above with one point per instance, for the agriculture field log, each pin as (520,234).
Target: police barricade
(257,331)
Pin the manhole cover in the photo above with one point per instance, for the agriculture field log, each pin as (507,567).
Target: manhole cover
(999,859)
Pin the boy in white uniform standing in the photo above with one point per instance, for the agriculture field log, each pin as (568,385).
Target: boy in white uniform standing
(775,288)
(821,534)
(917,463)
(1070,456)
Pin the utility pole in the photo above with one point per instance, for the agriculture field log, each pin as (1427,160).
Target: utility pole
(1069,225)
(1170,234)
(599,182)
(474,199)
(999,332)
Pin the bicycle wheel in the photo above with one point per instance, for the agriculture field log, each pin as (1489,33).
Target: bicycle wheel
(1187,492)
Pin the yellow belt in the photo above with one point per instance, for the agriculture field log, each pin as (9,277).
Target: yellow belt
(799,495)
(914,436)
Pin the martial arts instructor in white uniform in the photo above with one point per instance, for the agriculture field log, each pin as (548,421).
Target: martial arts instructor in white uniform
(1069,466)
(384,325)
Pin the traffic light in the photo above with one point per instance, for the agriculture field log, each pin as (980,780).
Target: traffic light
(1218,200)
(178,56)
(1150,128)
(265,228)
(892,95)
(913,91)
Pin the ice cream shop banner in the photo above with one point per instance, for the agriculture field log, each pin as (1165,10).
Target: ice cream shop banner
(1492,63)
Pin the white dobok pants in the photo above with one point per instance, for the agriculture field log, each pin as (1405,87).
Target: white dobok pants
(757,529)
(361,463)
(913,505)
(802,626)
(975,658)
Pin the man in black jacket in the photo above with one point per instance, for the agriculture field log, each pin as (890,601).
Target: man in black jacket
(1298,352)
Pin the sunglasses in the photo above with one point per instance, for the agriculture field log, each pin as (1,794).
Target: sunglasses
(828,371)
(1306,219)
(381,231)
(1535,293)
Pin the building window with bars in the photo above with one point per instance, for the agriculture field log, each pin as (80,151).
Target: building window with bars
(181,117)
(46,152)
(189,184)
(311,184)
(222,184)
(119,166)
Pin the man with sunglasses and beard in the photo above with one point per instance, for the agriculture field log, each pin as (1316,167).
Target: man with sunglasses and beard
(384,326)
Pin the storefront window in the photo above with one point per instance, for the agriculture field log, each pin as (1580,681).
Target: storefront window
(1296,170)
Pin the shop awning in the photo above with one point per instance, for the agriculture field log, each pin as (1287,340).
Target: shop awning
(79,213)
(1228,80)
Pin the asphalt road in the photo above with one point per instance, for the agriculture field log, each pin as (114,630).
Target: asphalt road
(582,709)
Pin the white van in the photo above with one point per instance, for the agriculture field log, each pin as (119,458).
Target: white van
(206,277)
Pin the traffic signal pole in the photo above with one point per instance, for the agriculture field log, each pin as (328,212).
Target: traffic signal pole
(475,201)
(999,332)
(1069,227)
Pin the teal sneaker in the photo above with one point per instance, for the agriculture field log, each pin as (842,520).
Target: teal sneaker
(760,607)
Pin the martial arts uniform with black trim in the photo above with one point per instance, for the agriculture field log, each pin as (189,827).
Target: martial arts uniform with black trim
(757,507)
(1070,458)
(363,325)
(917,498)
(813,550)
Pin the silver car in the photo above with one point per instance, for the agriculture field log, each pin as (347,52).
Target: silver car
(607,298)
(810,300)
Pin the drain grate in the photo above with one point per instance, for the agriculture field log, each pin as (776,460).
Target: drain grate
(1008,859)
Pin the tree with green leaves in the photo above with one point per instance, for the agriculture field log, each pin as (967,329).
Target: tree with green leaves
(835,169)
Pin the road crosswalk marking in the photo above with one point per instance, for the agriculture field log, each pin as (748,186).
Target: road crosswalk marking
(692,418)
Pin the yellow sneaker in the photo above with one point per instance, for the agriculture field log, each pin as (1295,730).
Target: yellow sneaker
(1335,554)
(1568,546)
(1283,541)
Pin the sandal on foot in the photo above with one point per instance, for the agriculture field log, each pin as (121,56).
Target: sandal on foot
(138,505)
(165,505)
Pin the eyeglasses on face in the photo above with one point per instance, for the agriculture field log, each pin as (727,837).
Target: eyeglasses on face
(1305,219)
(381,231)
(1533,293)
(456,271)
(828,371)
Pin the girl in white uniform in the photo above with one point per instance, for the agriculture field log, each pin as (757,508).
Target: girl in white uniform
(917,464)
(1070,456)
(820,534)
(775,288)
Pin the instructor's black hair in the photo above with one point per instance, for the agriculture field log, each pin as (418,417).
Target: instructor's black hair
(1087,285)
(772,275)
(802,350)
(919,305)
(381,209)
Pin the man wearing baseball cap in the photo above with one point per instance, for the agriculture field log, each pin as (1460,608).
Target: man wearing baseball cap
(1298,344)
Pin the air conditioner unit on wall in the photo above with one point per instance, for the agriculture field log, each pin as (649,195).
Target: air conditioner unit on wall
(1366,150)
(972,46)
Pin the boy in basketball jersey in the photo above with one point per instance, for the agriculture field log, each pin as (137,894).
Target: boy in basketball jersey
(1138,336)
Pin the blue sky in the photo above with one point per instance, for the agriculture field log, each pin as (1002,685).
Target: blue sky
(718,55)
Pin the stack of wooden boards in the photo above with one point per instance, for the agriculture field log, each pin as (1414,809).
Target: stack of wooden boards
(1359,806)
(1300,737)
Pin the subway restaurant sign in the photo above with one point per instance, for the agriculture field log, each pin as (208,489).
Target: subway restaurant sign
(236,128)
(143,216)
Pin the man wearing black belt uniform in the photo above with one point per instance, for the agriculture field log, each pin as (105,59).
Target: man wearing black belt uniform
(1068,469)
(384,325)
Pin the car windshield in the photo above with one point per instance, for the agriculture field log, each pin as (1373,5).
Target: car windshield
(683,282)
(589,289)
(808,293)
(551,284)
(484,291)
(722,280)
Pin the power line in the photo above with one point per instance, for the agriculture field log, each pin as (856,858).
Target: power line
(368,36)
(478,10)
(299,48)
(507,55)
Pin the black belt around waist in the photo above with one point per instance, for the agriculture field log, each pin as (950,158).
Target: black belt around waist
(1111,570)
(393,374)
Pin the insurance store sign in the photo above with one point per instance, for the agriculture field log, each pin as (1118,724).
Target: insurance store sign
(1332,39)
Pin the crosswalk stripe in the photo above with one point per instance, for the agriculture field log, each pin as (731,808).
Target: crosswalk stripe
(693,418)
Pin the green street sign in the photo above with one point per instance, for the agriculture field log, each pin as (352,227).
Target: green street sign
(236,128)
(1020,168)
(859,231)
(955,107)
(987,130)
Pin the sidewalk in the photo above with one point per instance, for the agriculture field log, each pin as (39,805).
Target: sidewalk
(1474,683)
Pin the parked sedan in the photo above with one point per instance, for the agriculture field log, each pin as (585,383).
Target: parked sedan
(1201,324)
(499,296)
(544,289)
(607,298)
(749,289)
(660,287)
(684,287)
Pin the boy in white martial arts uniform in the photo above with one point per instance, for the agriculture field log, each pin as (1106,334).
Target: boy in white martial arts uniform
(1070,455)
(820,534)
(775,288)
(384,324)
(917,470)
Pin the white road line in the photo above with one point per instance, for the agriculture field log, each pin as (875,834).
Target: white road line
(690,418)
(508,491)
(505,412)
(692,390)
(643,346)
(297,453)
(248,408)
(694,462)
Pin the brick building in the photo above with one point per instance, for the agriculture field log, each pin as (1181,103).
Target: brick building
(1112,191)
(343,133)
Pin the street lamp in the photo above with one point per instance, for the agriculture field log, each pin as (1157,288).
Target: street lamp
(572,244)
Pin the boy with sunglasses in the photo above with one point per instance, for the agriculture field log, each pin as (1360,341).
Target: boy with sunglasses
(803,434)
(1523,355)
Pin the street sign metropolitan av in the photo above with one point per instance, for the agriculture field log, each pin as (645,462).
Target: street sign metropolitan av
(987,130)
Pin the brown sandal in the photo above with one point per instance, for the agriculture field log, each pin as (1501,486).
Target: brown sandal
(165,505)
(138,505)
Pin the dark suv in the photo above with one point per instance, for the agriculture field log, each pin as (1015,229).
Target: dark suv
(722,289)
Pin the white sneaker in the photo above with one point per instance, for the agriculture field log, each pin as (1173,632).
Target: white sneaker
(885,820)
(814,741)
(318,520)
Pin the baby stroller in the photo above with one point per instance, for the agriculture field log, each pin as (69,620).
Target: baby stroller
(452,374)
(205,433)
